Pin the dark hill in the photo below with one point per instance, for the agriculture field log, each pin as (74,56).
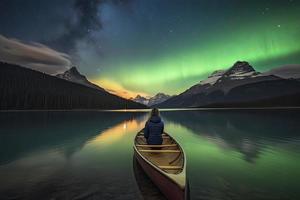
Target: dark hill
(239,86)
(25,89)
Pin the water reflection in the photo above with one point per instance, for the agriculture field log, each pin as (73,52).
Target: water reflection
(67,132)
(88,155)
(240,155)
(246,132)
(67,155)
(117,132)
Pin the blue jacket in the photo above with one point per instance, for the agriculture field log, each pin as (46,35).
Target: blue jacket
(153,130)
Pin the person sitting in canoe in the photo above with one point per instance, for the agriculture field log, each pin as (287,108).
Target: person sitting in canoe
(154,128)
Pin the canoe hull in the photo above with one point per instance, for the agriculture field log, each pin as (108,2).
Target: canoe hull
(170,189)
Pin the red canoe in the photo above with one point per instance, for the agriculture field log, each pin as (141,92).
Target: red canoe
(165,165)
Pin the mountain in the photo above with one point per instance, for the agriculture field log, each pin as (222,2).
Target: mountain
(287,72)
(140,99)
(150,101)
(26,89)
(158,98)
(239,86)
(74,76)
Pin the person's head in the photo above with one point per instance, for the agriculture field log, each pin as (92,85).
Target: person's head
(154,112)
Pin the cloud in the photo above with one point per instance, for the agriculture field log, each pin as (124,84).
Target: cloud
(84,20)
(33,55)
(287,71)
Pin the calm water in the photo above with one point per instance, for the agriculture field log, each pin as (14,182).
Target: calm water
(89,155)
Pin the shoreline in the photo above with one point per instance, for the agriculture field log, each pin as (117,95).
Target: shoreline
(162,109)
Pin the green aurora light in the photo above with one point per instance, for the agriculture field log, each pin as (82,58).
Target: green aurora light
(265,43)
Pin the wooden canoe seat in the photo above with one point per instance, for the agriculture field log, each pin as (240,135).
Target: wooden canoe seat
(141,136)
(160,151)
(170,167)
(161,134)
(158,146)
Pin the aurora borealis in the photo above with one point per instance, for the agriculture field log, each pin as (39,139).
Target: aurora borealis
(151,46)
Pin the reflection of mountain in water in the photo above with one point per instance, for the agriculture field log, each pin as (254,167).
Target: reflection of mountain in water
(67,132)
(242,130)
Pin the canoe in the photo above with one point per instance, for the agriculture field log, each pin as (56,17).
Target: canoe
(164,164)
(146,187)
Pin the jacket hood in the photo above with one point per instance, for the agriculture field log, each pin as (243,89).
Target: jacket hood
(155,119)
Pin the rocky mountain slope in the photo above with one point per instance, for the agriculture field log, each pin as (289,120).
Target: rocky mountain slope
(73,75)
(151,101)
(239,86)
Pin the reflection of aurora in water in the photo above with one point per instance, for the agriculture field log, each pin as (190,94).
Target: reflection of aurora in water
(240,155)
(117,132)
(242,131)
(233,155)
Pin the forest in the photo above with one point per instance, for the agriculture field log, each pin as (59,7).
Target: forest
(25,89)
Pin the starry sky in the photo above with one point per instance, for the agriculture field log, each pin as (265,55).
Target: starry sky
(148,46)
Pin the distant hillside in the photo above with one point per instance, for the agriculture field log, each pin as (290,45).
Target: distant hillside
(240,86)
(22,88)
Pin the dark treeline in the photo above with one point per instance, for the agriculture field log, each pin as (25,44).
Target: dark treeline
(25,89)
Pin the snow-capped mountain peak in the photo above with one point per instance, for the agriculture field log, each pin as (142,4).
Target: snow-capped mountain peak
(239,71)
(241,68)
(74,75)
(224,80)
(141,99)
(150,101)
(158,98)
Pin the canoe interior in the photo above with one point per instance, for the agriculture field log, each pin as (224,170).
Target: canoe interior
(169,157)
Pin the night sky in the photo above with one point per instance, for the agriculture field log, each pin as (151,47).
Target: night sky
(149,46)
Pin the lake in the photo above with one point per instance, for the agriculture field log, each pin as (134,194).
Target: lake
(89,155)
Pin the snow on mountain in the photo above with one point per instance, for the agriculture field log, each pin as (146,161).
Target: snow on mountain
(150,101)
(140,99)
(213,78)
(158,98)
(241,70)
(74,76)
(286,72)
(240,73)
(224,80)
